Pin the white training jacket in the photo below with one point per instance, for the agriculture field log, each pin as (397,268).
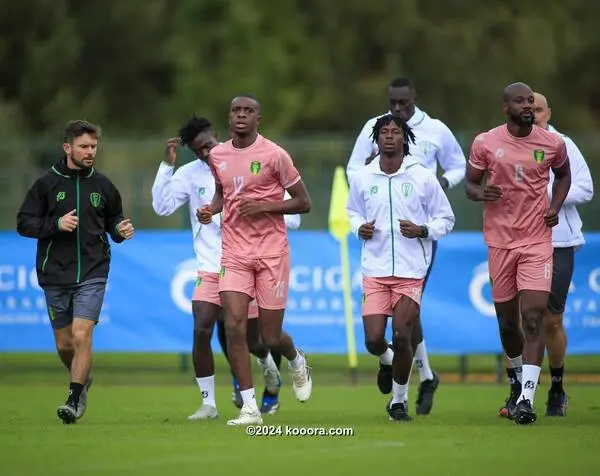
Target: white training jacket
(413,193)
(193,183)
(568,231)
(434,142)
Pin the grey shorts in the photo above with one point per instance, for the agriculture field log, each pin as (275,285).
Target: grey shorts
(562,272)
(83,301)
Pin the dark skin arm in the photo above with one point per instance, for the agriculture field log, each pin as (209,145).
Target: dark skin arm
(560,189)
(205,213)
(299,203)
(410,230)
(366,230)
(475,191)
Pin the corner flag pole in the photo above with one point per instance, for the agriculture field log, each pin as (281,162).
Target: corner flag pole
(339,227)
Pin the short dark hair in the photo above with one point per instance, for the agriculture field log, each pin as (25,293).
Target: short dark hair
(194,126)
(409,136)
(402,82)
(248,96)
(75,129)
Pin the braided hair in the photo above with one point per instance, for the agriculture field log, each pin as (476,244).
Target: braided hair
(409,136)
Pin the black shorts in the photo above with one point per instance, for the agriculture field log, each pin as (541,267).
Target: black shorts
(562,272)
(83,301)
(433,253)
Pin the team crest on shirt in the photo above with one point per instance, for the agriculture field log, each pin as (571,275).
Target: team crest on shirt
(95,199)
(60,196)
(373,189)
(426,147)
(499,153)
(406,188)
(538,156)
(255,167)
(201,191)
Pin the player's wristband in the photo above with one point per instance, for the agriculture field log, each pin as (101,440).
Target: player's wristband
(424,232)
(58,223)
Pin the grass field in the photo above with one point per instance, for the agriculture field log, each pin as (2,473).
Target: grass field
(136,425)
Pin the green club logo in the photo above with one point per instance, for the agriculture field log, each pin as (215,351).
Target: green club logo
(60,196)
(198,281)
(201,191)
(538,156)
(373,189)
(406,188)
(95,199)
(222,272)
(255,167)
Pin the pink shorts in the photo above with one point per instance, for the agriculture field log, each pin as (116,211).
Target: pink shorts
(207,290)
(380,295)
(265,279)
(527,267)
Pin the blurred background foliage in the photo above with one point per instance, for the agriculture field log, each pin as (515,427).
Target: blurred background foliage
(320,69)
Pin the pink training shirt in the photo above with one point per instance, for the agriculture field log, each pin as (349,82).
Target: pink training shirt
(261,172)
(520,166)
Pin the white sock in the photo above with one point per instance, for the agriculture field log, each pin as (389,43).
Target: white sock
(399,392)
(409,374)
(517,364)
(387,357)
(297,362)
(267,361)
(249,398)
(207,390)
(531,375)
(422,361)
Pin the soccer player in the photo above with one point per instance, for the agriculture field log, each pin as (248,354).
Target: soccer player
(567,237)
(193,183)
(252,174)
(518,217)
(270,397)
(434,144)
(70,210)
(398,208)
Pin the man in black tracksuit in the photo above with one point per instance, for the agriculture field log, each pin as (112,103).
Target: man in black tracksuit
(70,210)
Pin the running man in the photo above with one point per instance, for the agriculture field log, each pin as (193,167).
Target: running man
(567,237)
(70,211)
(434,144)
(518,217)
(194,184)
(398,208)
(252,175)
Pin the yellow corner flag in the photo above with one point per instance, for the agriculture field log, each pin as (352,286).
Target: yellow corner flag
(339,227)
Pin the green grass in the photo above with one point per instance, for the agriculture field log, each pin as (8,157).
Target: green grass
(136,425)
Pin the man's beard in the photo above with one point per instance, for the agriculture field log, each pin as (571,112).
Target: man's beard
(523,122)
(80,164)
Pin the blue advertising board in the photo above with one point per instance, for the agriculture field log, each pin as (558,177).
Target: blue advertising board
(147,306)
